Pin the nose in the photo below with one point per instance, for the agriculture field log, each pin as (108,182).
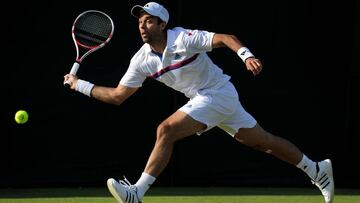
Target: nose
(141,25)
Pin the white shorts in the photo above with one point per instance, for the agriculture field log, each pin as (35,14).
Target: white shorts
(219,107)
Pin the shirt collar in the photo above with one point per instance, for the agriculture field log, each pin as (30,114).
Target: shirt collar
(170,43)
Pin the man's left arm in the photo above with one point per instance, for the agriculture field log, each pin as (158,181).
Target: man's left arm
(232,42)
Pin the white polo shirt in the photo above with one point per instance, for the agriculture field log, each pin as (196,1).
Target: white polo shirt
(183,66)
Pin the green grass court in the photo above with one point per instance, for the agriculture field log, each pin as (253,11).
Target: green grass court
(179,195)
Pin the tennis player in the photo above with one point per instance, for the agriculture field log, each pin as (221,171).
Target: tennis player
(177,57)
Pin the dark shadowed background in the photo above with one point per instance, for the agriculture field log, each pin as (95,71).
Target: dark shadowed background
(307,93)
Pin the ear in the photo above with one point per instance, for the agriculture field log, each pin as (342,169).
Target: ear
(162,26)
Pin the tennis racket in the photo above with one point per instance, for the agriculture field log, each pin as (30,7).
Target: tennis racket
(91,30)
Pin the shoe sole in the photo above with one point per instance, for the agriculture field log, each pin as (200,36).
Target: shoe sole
(112,189)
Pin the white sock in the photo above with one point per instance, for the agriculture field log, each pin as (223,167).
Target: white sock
(143,184)
(308,166)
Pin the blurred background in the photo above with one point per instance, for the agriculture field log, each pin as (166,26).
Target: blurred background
(307,93)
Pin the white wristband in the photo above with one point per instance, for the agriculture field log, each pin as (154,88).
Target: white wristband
(244,53)
(84,87)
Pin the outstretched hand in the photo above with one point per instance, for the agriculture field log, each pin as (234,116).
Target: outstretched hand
(254,65)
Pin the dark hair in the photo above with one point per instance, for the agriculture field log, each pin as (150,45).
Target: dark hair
(158,18)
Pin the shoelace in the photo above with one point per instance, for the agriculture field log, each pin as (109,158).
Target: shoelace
(127,184)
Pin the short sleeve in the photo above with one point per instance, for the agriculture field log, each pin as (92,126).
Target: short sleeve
(133,77)
(198,40)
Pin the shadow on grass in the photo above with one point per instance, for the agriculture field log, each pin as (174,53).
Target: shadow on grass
(173,191)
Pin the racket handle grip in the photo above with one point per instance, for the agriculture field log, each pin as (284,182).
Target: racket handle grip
(73,71)
(75,68)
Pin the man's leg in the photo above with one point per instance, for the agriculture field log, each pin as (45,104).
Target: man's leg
(259,139)
(178,126)
(319,172)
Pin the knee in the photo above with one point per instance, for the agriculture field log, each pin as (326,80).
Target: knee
(261,142)
(164,133)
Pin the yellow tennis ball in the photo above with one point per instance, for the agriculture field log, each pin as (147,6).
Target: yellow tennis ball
(21,117)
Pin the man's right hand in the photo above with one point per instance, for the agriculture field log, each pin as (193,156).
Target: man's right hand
(71,80)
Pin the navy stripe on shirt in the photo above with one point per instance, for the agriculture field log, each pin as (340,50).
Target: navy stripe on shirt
(173,67)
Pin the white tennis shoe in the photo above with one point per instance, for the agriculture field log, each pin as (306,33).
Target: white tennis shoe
(324,180)
(123,191)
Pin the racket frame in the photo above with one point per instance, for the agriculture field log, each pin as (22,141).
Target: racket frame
(89,49)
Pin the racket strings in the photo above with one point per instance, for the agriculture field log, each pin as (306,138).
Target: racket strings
(88,39)
(93,29)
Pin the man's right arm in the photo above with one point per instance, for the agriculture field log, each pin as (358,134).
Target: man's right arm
(111,95)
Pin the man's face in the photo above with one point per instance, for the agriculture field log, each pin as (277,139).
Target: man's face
(149,27)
